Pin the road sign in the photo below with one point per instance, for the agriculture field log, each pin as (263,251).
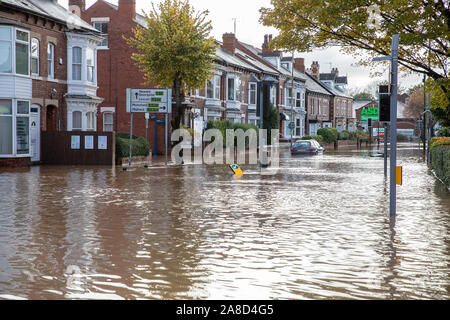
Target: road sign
(369,113)
(149,100)
(378,132)
(291,125)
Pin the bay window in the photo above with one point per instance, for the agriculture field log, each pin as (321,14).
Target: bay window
(231,89)
(289,97)
(217,87)
(14,127)
(51,60)
(298,100)
(90,60)
(77,124)
(90,121)
(5,50)
(76,63)
(22,52)
(252,94)
(35,56)
(6,126)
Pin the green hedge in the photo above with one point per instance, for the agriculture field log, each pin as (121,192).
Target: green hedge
(329,134)
(141,147)
(225,125)
(440,157)
(319,139)
(348,135)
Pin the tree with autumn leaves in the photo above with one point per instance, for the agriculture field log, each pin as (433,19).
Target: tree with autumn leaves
(368,25)
(175,50)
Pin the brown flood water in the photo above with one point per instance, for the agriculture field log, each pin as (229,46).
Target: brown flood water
(318,229)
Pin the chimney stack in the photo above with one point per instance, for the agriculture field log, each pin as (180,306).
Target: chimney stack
(315,70)
(335,71)
(77,6)
(299,63)
(229,42)
(265,46)
(127,8)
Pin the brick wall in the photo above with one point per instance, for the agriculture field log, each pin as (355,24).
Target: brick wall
(117,72)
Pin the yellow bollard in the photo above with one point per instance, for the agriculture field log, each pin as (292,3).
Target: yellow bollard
(236,170)
(399,176)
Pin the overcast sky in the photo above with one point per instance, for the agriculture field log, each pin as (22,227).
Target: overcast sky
(249,30)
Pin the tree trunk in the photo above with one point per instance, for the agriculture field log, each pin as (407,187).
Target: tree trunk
(178,102)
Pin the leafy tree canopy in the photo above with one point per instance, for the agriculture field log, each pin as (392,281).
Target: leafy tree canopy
(355,25)
(176,49)
(360,96)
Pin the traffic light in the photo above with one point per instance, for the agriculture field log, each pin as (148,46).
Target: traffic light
(385,104)
(369,122)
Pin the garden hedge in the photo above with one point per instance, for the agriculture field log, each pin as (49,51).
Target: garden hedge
(141,147)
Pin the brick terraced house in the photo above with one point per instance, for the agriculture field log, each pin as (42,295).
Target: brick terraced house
(48,76)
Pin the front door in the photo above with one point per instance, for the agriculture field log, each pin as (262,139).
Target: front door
(35,127)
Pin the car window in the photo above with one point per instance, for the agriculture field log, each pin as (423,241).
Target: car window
(316,144)
(302,144)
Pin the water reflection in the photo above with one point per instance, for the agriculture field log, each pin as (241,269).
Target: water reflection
(320,228)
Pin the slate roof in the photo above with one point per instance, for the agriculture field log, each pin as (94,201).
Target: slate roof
(225,56)
(51,9)
(313,86)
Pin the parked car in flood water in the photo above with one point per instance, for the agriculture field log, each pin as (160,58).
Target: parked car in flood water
(306,147)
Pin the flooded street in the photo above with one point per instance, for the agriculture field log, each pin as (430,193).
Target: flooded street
(318,229)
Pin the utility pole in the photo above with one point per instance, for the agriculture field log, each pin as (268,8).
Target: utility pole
(393,156)
(292,103)
(393,134)
(235,20)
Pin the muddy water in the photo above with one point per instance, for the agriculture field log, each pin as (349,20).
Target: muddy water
(317,229)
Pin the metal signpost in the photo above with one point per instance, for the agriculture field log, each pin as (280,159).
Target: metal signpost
(150,101)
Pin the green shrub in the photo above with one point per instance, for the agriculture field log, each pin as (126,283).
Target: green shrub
(141,147)
(329,134)
(319,139)
(444,132)
(440,157)
(402,137)
(224,125)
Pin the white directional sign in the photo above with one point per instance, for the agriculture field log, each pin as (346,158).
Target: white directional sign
(149,100)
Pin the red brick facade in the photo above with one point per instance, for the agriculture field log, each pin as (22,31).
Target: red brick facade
(47,94)
(117,70)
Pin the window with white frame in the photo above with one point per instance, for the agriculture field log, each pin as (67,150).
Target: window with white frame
(90,63)
(217,87)
(319,111)
(273,95)
(6,47)
(298,100)
(231,89)
(252,93)
(325,107)
(298,127)
(210,88)
(6,127)
(213,88)
(108,122)
(90,121)
(23,128)
(51,60)
(22,52)
(14,127)
(35,57)
(239,93)
(103,28)
(77,123)
(76,63)
(288,97)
